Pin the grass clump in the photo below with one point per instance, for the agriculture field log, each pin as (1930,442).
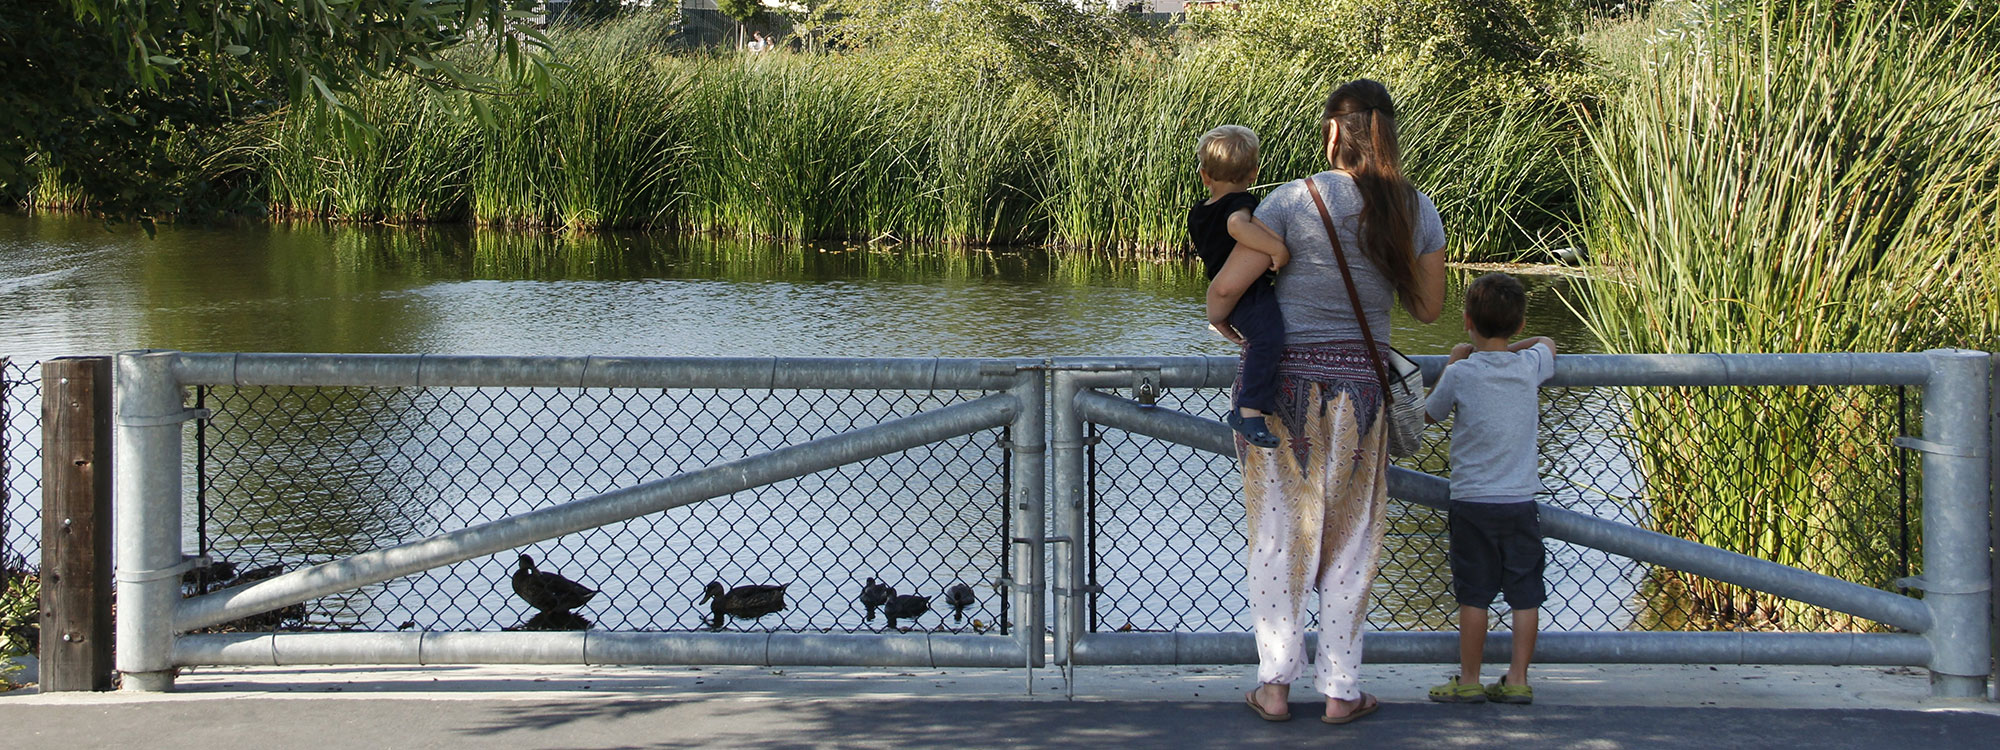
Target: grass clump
(1816,177)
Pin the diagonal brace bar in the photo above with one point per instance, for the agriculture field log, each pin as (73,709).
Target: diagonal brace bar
(624,504)
(1567,525)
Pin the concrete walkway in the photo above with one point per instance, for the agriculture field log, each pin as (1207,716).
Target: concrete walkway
(1597,707)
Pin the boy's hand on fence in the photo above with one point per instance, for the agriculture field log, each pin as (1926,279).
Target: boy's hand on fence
(1459,352)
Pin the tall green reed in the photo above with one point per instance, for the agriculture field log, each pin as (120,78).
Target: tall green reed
(1809,182)
(870,144)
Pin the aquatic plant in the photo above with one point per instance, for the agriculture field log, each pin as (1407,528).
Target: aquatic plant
(1805,181)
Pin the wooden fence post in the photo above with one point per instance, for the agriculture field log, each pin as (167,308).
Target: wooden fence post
(76,524)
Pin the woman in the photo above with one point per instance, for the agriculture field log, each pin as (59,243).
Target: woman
(1315,503)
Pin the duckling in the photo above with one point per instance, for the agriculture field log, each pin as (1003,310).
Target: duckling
(959,596)
(874,595)
(547,591)
(747,602)
(906,606)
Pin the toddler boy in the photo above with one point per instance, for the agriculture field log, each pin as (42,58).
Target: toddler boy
(1239,254)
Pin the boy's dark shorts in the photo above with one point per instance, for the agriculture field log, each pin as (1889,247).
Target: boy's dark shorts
(1497,548)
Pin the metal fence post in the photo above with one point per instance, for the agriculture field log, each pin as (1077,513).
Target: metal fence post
(76,524)
(146,501)
(1993,529)
(1956,526)
(1066,450)
(1030,485)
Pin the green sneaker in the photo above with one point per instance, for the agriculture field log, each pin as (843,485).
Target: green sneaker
(1453,692)
(1501,692)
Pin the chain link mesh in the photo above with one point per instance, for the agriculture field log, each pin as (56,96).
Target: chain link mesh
(1801,476)
(304,475)
(290,477)
(20,464)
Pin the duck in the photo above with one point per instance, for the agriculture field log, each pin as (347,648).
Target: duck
(958,597)
(747,602)
(874,595)
(549,592)
(905,606)
(558,620)
(254,575)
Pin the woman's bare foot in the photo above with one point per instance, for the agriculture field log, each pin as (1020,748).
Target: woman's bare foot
(1271,699)
(1340,711)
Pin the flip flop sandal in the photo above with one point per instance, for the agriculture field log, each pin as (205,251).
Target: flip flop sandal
(1369,703)
(1261,713)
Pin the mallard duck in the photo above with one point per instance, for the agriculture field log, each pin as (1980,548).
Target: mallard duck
(547,591)
(874,595)
(905,606)
(747,602)
(958,597)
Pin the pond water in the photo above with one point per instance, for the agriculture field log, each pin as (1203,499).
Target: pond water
(296,476)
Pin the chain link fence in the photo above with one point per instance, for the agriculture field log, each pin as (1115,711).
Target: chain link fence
(20,464)
(289,477)
(296,476)
(1801,476)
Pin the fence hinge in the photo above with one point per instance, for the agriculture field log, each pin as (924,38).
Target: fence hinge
(188,562)
(1926,446)
(1019,447)
(185,415)
(1078,591)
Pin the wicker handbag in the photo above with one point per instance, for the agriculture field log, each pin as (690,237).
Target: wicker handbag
(1405,391)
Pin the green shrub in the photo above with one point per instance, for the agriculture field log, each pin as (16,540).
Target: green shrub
(20,617)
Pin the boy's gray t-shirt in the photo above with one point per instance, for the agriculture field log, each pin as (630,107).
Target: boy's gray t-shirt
(1310,292)
(1496,397)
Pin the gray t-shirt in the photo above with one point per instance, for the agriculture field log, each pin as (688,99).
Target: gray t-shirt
(1310,292)
(1493,439)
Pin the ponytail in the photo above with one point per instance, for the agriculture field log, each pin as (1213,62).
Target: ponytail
(1369,152)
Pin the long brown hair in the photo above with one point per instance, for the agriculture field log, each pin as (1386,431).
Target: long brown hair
(1368,152)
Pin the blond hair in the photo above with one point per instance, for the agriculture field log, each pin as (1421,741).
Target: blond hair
(1228,153)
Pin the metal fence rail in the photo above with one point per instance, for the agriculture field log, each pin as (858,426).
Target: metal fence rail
(467,457)
(1808,445)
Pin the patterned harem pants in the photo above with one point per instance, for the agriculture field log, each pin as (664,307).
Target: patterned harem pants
(1315,515)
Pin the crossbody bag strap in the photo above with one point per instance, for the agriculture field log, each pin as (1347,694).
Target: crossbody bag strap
(1353,295)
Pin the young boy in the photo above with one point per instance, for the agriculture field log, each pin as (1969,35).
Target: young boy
(1496,537)
(1240,253)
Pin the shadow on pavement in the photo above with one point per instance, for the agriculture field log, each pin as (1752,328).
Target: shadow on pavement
(816,724)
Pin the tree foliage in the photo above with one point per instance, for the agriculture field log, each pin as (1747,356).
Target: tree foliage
(1049,42)
(1505,49)
(97,89)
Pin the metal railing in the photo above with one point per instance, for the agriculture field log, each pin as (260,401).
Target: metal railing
(631,469)
(392,492)
(1946,630)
